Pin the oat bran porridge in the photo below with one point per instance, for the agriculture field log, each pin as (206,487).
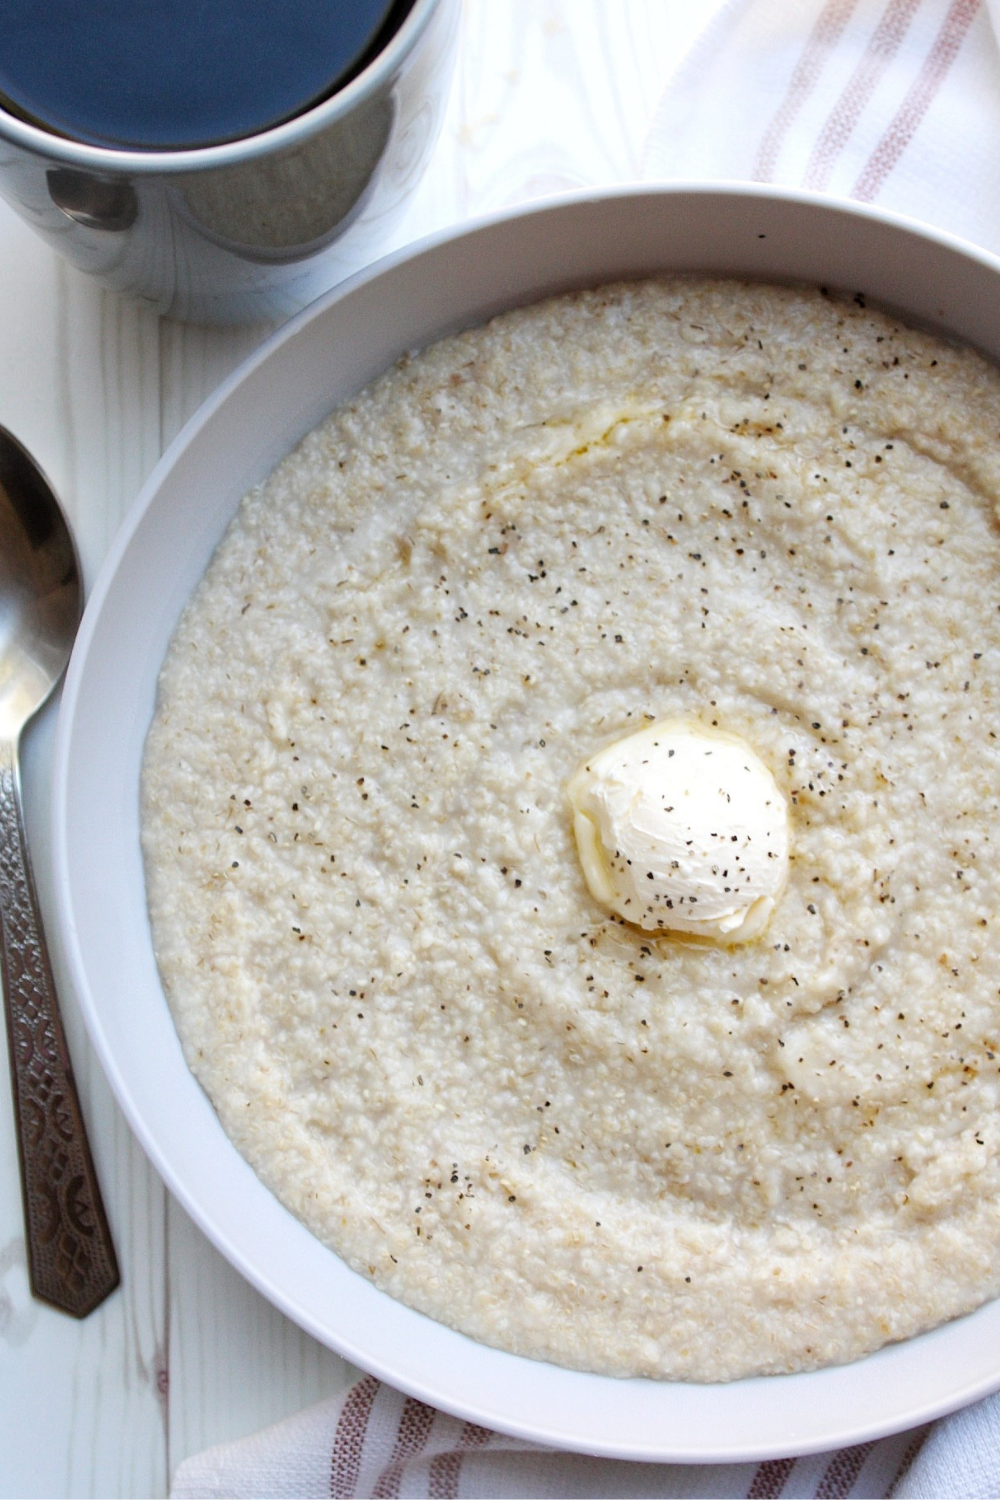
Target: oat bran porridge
(768,510)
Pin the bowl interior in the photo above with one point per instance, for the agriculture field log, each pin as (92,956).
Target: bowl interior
(319,359)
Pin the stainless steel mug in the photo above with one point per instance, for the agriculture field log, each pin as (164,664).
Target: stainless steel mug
(255,228)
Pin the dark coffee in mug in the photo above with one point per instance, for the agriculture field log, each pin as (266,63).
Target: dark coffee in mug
(177,74)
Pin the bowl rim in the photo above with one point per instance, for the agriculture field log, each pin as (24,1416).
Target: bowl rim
(470,1401)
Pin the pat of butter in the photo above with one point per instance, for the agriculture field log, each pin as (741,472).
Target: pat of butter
(684,829)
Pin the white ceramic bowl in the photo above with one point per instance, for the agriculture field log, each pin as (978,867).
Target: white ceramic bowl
(313,363)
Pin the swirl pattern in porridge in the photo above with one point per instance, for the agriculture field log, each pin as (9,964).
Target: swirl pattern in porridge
(764,510)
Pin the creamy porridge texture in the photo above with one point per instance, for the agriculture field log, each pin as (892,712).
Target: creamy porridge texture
(765,510)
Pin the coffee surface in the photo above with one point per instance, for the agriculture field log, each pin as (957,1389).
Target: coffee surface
(174,74)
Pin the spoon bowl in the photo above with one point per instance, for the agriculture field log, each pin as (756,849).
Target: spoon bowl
(71,1260)
(41,597)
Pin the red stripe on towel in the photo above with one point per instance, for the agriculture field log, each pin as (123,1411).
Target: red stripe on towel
(841,1472)
(909,1454)
(770,1479)
(415,1423)
(349,1438)
(905,122)
(822,39)
(446,1468)
(882,46)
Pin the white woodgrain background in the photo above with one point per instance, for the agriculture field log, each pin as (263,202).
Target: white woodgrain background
(549,95)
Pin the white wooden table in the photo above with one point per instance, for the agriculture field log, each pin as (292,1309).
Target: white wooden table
(549,95)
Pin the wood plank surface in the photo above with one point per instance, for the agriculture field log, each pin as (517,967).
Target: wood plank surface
(80,1413)
(548,95)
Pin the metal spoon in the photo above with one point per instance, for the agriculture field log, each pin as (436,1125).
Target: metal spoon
(71,1260)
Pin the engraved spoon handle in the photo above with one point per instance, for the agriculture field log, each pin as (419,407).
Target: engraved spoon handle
(71,1260)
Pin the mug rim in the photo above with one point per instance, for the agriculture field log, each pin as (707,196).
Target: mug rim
(111,160)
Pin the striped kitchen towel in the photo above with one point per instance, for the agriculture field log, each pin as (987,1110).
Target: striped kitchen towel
(373,1441)
(895,102)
